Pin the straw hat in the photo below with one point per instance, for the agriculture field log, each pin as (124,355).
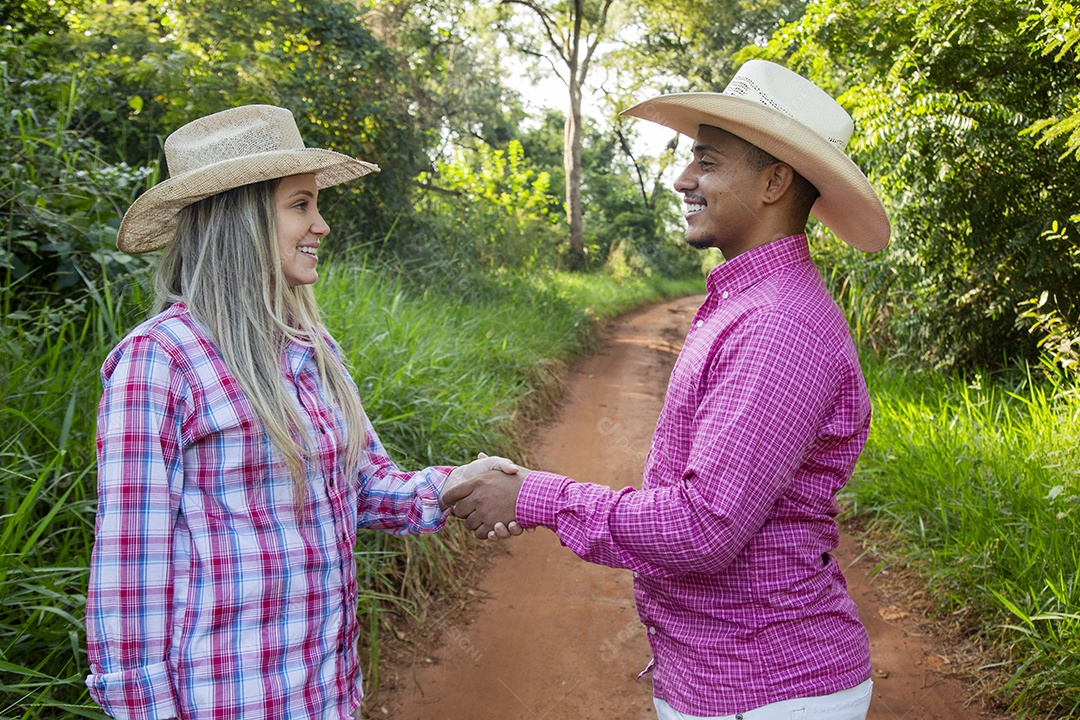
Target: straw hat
(796,122)
(219,152)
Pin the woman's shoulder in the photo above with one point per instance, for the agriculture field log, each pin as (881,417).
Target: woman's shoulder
(173,333)
(173,326)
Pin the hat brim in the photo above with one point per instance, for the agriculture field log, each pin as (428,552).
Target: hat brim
(847,205)
(150,222)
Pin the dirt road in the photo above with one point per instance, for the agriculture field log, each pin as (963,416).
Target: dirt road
(554,638)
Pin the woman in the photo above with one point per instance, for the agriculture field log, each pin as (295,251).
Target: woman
(235,462)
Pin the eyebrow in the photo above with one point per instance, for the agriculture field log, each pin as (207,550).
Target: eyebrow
(703,148)
(306,193)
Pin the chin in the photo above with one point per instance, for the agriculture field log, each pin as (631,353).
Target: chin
(700,243)
(295,282)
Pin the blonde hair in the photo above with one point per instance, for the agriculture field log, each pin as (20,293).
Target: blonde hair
(225,266)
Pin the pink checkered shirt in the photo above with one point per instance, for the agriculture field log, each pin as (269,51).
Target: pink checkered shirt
(210,595)
(730,536)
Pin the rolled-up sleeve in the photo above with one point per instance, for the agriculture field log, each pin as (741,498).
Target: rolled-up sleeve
(396,501)
(140,477)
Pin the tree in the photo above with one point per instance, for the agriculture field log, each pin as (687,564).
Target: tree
(695,42)
(1059,35)
(146,68)
(453,69)
(571,33)
(941,92)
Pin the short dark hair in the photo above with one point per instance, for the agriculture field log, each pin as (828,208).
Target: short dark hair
(804,191)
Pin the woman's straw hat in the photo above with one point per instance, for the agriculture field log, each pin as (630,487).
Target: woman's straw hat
(796,122)
(219,152)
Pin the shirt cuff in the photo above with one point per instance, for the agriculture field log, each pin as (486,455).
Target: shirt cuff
(434,516)
(143,693)
(541,498)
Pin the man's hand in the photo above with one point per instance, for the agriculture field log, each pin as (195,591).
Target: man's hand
(486,501)
(464,473)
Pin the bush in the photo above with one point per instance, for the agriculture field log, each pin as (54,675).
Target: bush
(60,203)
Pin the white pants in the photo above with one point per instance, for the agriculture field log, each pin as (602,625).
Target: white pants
(851,704)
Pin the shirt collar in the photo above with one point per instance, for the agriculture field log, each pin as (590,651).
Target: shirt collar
(754,265)
(296,356)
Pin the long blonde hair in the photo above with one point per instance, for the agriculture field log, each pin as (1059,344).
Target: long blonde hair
(225,266)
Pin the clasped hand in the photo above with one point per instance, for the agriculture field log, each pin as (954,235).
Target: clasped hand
(484,493)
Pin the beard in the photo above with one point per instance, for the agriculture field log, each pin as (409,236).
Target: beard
(700,242)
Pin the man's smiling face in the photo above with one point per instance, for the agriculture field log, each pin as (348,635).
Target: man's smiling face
(719,190)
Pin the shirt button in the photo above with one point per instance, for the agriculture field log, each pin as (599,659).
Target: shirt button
(724,294)
(652,630)
(636,575)
(700,323)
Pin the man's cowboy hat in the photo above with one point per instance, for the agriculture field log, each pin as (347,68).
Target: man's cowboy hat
(223,151)
(796,122)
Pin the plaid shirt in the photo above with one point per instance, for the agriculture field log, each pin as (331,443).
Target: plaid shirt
(729,538)
(210,595)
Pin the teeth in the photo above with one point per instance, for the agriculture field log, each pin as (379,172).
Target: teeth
(694,207)
(308,250)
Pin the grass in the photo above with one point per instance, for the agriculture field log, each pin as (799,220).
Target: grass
(977,486)
(441,375)
(47,495)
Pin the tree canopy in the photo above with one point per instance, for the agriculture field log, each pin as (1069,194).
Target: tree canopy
(966,121)
(945,95)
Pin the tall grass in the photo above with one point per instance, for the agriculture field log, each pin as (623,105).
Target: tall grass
(978,485)
(442,376)
(48,377)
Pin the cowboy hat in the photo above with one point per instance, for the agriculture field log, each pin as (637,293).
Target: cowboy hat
(796,122)
(219,152)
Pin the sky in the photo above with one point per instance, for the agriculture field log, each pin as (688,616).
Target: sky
(551,92)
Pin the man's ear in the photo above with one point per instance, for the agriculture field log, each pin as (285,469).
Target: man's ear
(779,177)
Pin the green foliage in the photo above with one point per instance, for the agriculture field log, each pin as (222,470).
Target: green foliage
(1059,35)
(49,382)
(1047,637)
(1060,341)
(145,68)
(694,44)
(633,226)
(504,202)
(456,65)
(60,203)
(978,484)
(940,92)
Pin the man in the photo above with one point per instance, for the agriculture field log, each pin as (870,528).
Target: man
(766,412)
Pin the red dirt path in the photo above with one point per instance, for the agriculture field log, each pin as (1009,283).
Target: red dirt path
(555,638)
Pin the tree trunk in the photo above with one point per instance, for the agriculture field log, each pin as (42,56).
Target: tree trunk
(572,167)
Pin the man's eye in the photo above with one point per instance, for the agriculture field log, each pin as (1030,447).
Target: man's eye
(704,164)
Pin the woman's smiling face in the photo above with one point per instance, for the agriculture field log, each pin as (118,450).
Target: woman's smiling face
(300,227)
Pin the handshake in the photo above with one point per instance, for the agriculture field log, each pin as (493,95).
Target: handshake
(484,493)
